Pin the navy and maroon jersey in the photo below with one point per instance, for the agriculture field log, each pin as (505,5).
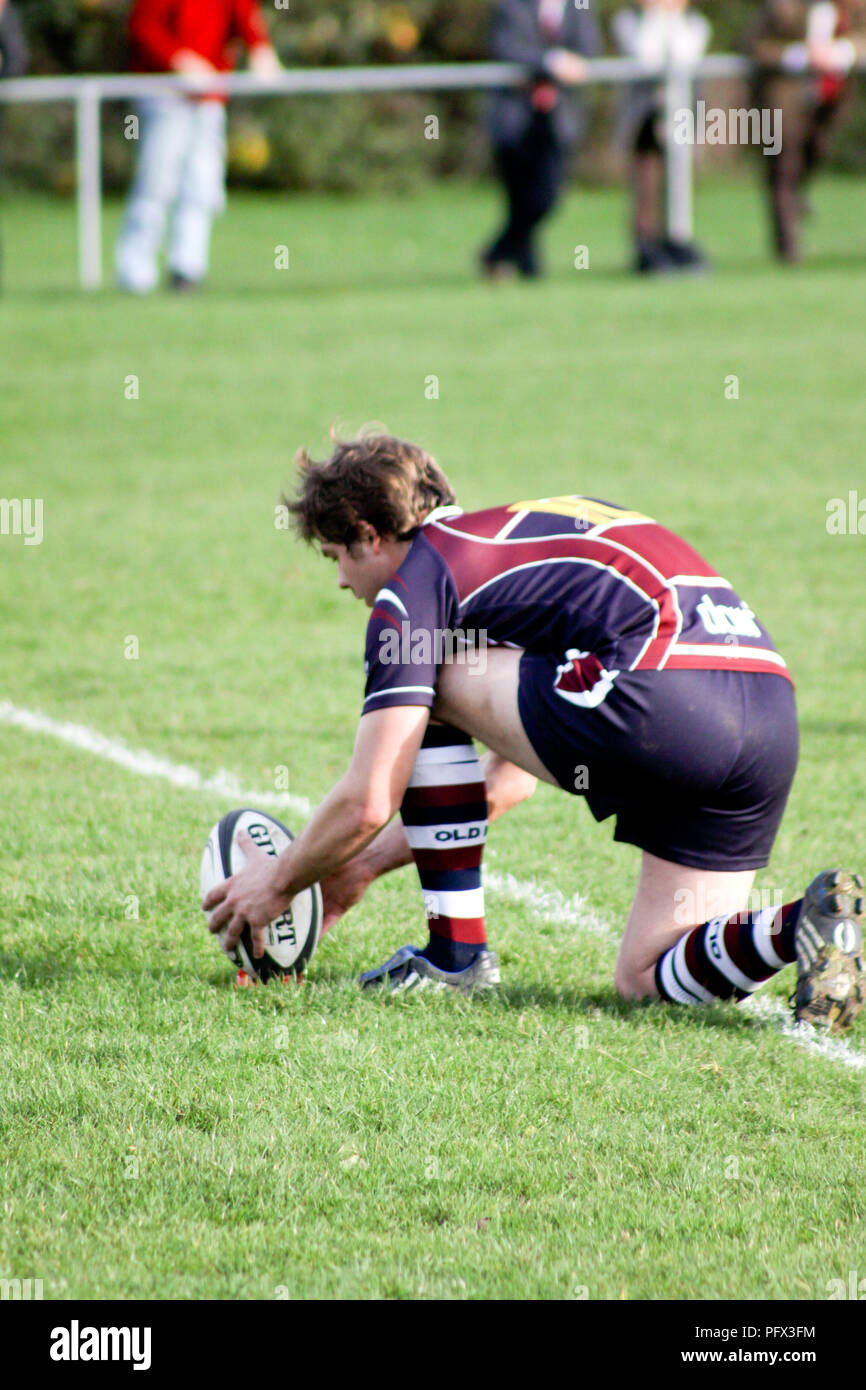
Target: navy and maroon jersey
(602,589)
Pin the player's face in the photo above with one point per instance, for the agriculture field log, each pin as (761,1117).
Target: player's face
(363,568)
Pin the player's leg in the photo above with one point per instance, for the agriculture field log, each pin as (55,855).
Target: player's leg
(647,179)
(738,948)
(542,190)
(784,172)
(713,760)
(505,250)
(820,127)
(201,195)
(670,900)
(165,127)
(444,815)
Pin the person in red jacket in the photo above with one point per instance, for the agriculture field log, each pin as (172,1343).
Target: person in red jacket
(181,164)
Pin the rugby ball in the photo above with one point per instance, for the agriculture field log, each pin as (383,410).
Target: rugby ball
(290,939)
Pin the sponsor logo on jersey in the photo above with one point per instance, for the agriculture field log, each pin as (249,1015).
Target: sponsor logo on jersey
(722,620)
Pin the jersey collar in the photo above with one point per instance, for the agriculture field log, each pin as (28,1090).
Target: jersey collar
(441,512)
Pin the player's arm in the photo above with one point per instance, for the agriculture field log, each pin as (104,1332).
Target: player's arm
(352,814)
(250,26)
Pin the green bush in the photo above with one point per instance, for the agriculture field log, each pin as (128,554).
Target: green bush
(340,143)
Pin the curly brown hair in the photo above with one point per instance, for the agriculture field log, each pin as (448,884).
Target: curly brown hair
(388,483)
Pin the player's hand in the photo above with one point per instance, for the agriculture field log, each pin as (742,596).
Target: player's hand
(567,67)
(342,889)
(264,61)
(828,55)
(247,897)
(191,64)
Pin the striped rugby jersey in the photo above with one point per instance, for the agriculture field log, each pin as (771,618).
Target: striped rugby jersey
(599,588)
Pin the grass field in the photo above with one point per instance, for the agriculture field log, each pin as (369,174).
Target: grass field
(167,1136)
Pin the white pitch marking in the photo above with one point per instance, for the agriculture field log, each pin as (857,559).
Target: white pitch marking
(548,904)
(138,760)
(544,904)
(834,1049)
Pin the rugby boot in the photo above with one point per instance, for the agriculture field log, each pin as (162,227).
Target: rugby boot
(409,970)
(831,975)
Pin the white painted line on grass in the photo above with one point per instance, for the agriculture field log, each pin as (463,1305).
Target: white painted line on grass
(544,904)
(144,764)
(549,904)
(834,1049)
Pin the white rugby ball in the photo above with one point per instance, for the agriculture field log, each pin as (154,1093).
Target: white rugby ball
(291,938)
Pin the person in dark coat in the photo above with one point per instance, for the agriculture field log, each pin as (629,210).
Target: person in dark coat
(805,53)
(13,45)
(533,126)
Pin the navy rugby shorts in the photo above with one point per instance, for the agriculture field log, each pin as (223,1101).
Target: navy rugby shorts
(695,765)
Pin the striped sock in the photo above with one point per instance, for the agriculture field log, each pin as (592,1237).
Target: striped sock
(729,957)
(444,813)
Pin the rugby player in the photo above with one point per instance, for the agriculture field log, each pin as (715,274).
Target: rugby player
(617,665)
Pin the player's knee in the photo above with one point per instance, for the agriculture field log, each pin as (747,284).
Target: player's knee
(633,984)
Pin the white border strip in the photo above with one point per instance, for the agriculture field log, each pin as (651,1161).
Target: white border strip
(544,904)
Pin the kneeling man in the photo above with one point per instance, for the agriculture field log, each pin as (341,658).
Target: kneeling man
(586,645)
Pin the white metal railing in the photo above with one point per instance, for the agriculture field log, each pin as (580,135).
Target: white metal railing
(89,91)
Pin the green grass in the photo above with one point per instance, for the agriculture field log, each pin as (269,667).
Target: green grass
(530,1145)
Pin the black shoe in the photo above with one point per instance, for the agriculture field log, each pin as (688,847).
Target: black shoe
(181,284)
(493,269)
(684,255)
(652,259)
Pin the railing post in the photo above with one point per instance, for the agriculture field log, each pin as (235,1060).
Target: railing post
(89,161)
(679,154)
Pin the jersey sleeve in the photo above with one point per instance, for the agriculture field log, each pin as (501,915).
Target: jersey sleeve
(410,632)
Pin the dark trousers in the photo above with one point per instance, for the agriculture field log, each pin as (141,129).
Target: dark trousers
(531,171)
(807,132)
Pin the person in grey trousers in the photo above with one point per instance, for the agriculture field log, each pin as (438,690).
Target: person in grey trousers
(533,126)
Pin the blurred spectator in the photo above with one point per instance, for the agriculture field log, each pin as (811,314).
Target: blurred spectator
(13,57)
(13,46)
(806,51)
(655,32)
(181,162)
(533,126)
